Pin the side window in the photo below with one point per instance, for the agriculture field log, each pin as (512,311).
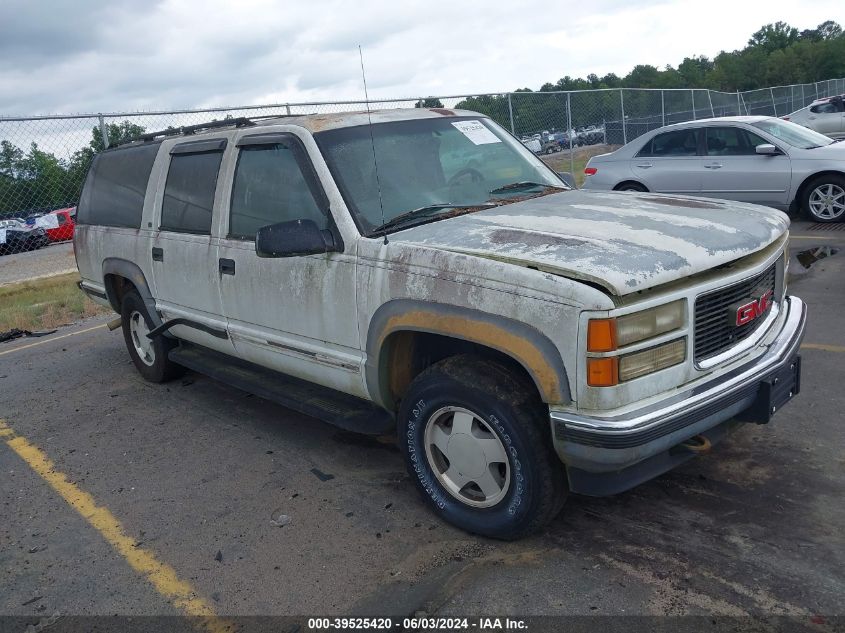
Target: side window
(824,108)
(677,143)
(729,141)
(60,218)
(269,188)
(755,140)
(115,187)
(189,192)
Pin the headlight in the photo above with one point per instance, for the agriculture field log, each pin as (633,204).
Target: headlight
(607,335)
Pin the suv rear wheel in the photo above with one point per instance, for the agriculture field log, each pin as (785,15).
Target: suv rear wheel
(148,355)
(476,442)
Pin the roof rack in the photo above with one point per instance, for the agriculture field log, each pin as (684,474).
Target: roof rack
(187,130)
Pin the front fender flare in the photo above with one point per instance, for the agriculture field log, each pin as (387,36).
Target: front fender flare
(520,341)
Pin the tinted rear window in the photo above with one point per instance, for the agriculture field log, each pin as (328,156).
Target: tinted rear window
(189,192)
(114,190)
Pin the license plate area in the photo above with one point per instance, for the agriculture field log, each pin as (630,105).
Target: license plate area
(774,392)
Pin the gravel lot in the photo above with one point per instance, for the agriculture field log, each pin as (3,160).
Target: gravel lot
(195,470)
(54,259)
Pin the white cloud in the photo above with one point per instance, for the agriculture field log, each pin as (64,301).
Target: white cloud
(132,54)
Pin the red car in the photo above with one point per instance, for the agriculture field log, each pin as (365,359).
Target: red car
(67,223)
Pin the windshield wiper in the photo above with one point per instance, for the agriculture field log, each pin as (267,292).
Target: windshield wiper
(524,184)
(421,212)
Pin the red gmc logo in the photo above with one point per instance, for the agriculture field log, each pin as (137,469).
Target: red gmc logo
(747,312)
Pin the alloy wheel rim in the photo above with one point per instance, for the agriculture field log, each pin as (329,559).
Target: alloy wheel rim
(138,331)
(467,457)
(827,202)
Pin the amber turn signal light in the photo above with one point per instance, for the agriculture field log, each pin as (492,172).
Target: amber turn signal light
(602,372)
(601,335)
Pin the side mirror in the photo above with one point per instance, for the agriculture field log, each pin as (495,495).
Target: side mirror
(289,239)
(767,149)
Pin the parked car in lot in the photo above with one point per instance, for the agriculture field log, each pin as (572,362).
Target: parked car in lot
(65,224)
(826,116)
(521,339)
(763,160)
(16,237)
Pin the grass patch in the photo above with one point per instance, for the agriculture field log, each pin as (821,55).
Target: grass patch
(45,304)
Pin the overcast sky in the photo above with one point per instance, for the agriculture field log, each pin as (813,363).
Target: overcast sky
(100,56)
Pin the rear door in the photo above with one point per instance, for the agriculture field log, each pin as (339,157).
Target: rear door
(735,171)
(183,252)
(670,162)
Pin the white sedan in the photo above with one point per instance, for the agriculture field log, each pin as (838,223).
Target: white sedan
(755,159)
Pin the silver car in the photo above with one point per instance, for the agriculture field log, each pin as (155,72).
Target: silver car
(826,116)
(756,159)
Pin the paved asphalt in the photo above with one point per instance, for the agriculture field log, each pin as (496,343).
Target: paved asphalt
(195,472)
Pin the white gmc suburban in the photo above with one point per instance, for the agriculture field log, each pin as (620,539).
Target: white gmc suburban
(422,273)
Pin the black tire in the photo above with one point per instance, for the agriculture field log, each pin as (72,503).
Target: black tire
(837,185)
(157,367)
(511,407)
(631,186)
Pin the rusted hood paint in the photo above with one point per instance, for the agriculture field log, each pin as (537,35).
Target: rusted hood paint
(624,242)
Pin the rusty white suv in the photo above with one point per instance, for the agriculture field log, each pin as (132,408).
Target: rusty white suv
(423,273)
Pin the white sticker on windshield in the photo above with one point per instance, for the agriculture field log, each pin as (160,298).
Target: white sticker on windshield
(2,236)
(49,221)
(476,132)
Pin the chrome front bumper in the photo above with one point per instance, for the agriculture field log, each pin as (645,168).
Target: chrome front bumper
(607,443)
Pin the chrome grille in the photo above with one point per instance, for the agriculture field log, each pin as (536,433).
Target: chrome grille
(714,332)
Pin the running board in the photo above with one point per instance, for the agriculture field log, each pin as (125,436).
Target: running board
(323,403)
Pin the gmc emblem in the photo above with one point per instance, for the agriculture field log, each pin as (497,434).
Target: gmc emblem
(745,313)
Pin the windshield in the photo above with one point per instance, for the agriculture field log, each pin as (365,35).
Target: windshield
(792,133)
(430,165)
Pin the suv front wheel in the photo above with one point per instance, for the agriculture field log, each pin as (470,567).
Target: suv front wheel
(476,442)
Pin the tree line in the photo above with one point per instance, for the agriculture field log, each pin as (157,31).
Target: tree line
(776,55)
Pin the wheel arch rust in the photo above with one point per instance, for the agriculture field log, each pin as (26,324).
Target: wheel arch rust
(520,342)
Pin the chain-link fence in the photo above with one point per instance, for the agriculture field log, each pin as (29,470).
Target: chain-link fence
(44,159)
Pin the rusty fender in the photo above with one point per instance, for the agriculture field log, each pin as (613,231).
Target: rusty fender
(525,344)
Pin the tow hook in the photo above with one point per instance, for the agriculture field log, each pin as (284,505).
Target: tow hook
(114,324)
(697,444)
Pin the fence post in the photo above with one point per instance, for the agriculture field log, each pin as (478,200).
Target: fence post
(662,108)
(287,108)
(803,99)
(569,133)
(692,96)
(603,129)
(104,132)
(738,104)
(774,105)
(624,124)
(510,112)
(710,99)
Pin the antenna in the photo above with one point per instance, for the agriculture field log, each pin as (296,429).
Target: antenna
(372,140)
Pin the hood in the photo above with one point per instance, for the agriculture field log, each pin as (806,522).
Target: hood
(624,242)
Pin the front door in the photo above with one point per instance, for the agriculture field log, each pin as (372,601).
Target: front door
(293,314)
(735,171)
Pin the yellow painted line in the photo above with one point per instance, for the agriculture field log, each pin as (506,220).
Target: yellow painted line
(161,576)
(53,338)
(824,348)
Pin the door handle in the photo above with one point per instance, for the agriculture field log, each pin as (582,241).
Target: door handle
(158,254)
(227,266)
(714,166)
(644,165)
